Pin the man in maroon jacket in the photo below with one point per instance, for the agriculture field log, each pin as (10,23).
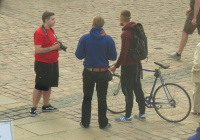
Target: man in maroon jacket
(130,71)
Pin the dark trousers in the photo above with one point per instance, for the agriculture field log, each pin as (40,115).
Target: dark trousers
(89,80)
(130,81)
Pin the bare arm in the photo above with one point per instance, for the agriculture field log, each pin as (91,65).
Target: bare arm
(40,49)
(196,11)
(187,11)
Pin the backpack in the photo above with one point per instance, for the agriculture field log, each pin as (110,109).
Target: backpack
(140,50)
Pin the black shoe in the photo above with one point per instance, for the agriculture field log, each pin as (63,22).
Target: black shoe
(107,126)
(32,112)
(49,108)
(83,126)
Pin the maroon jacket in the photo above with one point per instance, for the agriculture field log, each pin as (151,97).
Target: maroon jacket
(127,42)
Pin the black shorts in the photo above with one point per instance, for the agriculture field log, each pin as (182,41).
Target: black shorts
(47,75)
(43,88)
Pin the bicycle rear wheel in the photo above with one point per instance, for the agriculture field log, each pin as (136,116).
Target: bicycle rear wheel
(172,102)
(115,97)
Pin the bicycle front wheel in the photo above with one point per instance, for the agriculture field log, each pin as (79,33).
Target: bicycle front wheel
(172,102)
(115,97)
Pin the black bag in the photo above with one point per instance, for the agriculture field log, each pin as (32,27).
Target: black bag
(140,50)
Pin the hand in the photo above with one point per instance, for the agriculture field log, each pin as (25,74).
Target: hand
(112,69)
(194,21)
(56,46)
(187,11)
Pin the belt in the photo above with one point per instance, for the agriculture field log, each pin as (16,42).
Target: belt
(96,69)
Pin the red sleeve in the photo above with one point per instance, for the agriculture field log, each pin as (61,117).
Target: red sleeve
(38,39)
(124,49)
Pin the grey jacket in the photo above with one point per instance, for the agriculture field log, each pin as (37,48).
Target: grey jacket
(196,67)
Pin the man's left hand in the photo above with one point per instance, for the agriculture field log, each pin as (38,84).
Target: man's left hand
(113,69)
(194,21)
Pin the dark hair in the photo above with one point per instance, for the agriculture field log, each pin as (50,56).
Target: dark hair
(47,15)
(126,15)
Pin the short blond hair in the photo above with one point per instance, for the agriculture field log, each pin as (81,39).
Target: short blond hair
(98,21)
(126,15)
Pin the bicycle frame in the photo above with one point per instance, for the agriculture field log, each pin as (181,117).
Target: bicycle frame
(157,75)
(166,104)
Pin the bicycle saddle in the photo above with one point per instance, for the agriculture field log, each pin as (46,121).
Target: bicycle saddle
(161,65)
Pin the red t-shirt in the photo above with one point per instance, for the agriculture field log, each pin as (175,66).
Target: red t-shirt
(41,39)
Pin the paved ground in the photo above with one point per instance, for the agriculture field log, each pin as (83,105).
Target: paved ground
(163,23)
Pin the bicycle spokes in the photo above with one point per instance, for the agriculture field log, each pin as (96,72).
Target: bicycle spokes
(172,104)
(115,97)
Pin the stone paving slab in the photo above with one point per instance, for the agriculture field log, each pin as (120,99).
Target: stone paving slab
(42,117)
(22,133)
(112,138)
(50,126)
(79,134)
(5,100)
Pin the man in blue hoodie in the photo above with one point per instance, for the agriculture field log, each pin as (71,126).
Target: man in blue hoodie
(197,135)
(96,48)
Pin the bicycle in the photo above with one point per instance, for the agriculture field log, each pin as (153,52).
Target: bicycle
(172,104)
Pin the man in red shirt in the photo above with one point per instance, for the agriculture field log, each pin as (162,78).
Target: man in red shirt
(130,71)
(46,63)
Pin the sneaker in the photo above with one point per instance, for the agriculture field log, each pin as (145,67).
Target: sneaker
(49,108)
(195,113)
(107,126)
(140,117)
(123,118)
(32,112)
(174,55)
(82,125)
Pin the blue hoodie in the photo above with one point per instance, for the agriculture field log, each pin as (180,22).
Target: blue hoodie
(196,136)
(97,48)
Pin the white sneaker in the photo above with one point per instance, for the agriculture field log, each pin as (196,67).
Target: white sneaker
(174,55)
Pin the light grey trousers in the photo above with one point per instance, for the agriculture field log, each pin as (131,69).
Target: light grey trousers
(196,98)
